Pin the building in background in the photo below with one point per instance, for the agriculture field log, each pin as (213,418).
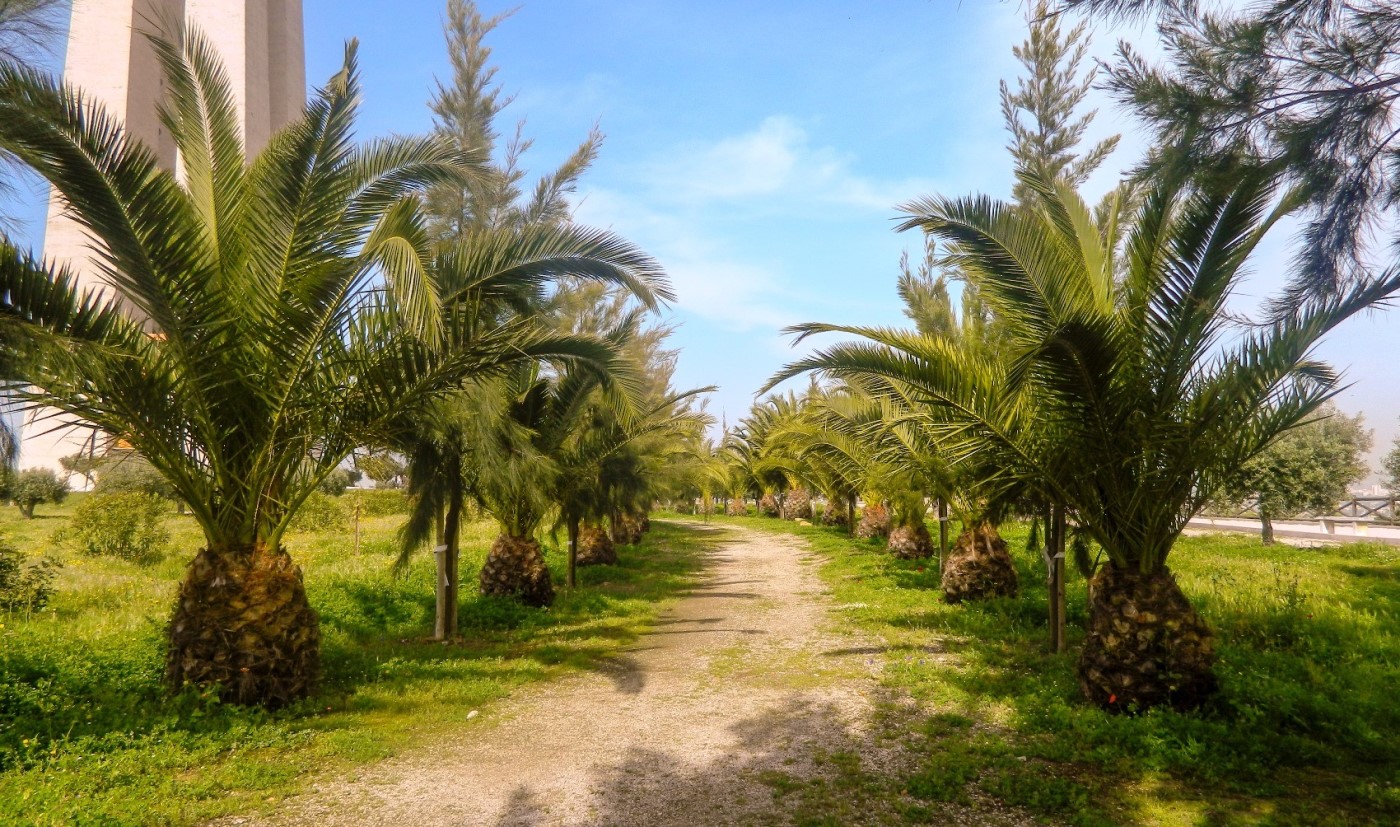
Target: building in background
(109,57)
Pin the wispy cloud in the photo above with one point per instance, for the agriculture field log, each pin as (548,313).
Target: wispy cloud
(680,204)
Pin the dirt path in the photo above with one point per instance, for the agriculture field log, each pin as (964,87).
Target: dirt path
(746,675)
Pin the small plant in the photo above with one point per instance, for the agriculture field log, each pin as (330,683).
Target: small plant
(126,525)
(24,588)
(33,486)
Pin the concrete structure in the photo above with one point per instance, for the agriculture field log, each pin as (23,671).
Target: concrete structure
(109,57)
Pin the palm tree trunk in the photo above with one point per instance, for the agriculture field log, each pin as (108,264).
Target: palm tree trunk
(452,529)
(515,567)
(242,622)
(850,516)
(911,542)
(1146,646)
(979,567)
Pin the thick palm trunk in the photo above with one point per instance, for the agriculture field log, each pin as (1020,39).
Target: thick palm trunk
(595,547)
(979,567)
(1147,646)
(911,542)
(626,529)
(515,568)
(874,523)
(798,505)
(835,512)
(768,506)
(242,623)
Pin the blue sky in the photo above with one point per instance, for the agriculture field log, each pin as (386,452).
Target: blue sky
(759,150)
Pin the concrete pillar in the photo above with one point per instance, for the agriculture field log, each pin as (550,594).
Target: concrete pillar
(109,57)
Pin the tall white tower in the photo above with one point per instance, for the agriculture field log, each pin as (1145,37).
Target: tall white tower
(109,57)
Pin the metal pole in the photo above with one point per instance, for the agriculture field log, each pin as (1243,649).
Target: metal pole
(1057,581)
(942,533)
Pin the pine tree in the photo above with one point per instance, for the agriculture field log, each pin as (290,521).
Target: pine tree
(1309,86)
(466,111)
(1041,114)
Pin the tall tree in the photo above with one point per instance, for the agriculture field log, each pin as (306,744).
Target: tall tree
(289,308)
(485,211)
(1042,114)
(1121,395)
(1309,86)
(465,113)
(1306,469)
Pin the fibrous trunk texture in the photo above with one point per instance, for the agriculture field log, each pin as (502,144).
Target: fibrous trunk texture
(515,568)
(979,567)
(627,529)
(874,522)
(911,542)
(834,513)
(768,506)
(737,508)
(242,622)
(1147,646)
(595,547)
(798,505)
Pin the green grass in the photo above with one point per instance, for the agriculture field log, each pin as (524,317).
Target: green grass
(1305,729)
(88,735)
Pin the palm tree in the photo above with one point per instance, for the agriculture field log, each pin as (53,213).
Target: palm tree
(1125,395)
(605,465)
(265,316)
(527,420)
(444,440)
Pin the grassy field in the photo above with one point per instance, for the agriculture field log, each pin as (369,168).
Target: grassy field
(89,737)
(1305,730)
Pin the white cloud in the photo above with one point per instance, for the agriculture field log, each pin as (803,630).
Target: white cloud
(676,203)
(708,280)
(774,162)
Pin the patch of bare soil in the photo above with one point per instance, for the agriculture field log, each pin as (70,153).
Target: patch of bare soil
(748,677)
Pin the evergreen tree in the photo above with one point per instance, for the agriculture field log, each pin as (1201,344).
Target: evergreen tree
(1310,86)
(465,112)
(1307,469)
(1046,129)
(1042,113)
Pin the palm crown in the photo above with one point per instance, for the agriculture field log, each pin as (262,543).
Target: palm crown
(1120,394)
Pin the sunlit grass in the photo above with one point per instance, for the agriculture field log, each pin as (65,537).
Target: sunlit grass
(1304,731)
(88,735)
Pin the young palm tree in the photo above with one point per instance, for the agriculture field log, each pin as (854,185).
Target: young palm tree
(502,270)
(1125,395)
(264,318)
(520,453)
(611,441)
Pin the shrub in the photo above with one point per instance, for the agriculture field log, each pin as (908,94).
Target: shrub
(321,512)
(128,472)
(127,525)
(338,480)
(33,486)
(378,502)
(24,588)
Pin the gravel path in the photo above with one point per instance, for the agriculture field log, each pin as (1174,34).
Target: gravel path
(746,674)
